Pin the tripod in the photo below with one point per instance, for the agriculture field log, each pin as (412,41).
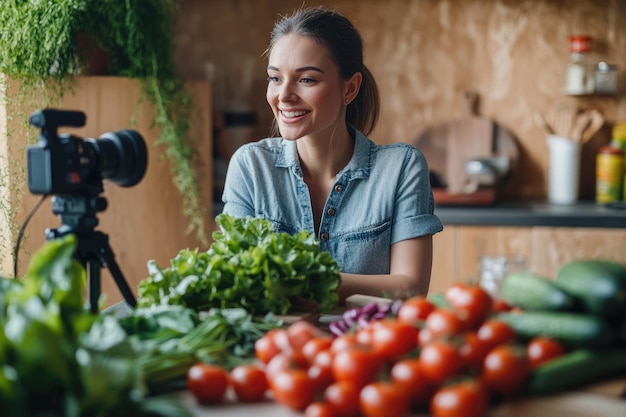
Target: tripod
(78,217)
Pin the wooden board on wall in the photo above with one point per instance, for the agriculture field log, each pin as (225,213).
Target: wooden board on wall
(145,221)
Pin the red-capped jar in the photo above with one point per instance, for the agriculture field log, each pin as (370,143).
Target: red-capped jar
(579,78)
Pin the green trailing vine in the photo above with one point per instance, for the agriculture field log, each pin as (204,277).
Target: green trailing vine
(42,45)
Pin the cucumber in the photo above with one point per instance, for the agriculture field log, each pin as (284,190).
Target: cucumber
(599,285)
(575,330)
(575,369)
(531,291)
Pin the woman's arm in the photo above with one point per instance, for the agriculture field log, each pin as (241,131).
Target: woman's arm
(411,264)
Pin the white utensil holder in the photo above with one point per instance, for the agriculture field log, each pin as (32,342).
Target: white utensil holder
(564,170)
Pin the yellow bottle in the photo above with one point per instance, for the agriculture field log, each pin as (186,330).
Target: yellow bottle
(619,140)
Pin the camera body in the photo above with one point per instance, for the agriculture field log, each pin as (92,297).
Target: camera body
(66,164)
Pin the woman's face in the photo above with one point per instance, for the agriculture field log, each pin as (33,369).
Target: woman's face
(305,91)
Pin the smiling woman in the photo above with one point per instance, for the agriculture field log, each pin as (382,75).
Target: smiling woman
(371,206)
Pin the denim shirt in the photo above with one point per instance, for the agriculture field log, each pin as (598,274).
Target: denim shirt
(381,197)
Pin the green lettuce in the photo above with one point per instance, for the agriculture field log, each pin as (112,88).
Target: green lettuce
(248,265)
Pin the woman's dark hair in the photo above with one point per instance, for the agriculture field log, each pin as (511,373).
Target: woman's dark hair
(344,42)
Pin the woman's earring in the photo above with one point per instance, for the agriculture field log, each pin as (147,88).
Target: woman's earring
(347,101)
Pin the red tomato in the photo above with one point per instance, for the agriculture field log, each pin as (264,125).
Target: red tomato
(324,359)
(393,338)
(472,351)
(343,342)
(495,332)
(363,335)
(383,399)
(415,310)
(443,322)
(358,364)
(407,375)
(321,376)
(467,398)
(472,300)
(543,349)
(280,362)
(293,389)
(439,360)
(500,306)
(319,409)
(506,369)
(315,346)
(249,382)
(207,383)
(301,332)
(343,398)
(265,348)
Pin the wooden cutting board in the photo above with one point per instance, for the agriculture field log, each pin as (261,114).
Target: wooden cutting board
(450,144)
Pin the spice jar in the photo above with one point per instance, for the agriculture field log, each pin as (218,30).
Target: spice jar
(609,174)
(579,76)
(605,79)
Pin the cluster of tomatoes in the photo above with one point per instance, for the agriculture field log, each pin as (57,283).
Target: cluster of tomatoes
(450,361)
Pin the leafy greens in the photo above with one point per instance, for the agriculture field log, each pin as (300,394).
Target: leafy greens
(248,265)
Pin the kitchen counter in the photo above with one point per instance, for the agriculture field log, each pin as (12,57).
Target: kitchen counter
(535,213)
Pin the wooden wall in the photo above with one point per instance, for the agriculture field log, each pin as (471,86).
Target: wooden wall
(423,52)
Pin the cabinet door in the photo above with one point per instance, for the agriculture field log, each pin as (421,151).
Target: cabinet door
(554,246)
(445,256)
(477,241)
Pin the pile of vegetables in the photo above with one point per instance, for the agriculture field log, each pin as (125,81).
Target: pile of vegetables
(59,359)
(455,354)
(248,265)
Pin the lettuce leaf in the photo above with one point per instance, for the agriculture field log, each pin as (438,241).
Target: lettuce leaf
(248,265)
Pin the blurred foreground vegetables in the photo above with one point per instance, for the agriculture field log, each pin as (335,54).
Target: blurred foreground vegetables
(250,266)
(58,359)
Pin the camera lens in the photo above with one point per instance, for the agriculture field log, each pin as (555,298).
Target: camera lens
(123,157)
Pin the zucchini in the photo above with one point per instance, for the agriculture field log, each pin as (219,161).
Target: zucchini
(530,291)
(575,330)
(575,369)
(599,285)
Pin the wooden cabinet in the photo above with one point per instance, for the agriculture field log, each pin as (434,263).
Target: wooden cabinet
(143,222)
(458,248)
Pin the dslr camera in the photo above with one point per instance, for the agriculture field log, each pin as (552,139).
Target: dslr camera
(69,165)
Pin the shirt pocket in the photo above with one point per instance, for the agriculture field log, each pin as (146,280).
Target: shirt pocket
(365,251)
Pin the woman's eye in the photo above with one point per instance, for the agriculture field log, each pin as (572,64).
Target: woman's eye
(307,80)
(272,79)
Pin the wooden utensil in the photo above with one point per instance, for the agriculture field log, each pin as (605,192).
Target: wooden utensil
(562,118)
(543,124)
(596,123)
(581,124)
(450,144)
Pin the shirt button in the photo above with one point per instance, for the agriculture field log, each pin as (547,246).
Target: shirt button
(324,236)
(339,188)
(330,212)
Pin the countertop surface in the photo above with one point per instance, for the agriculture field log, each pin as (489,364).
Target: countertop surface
(535,213)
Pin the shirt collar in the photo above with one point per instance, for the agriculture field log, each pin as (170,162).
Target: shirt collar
(358,167)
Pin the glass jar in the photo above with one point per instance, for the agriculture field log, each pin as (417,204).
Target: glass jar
(605,79)
(493,270)
(579,77)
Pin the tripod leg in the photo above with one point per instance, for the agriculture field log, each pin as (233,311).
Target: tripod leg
(95,285)
(108,259)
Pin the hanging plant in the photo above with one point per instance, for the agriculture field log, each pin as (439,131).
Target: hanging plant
(46,43)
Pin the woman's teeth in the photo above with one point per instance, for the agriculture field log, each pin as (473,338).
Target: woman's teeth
(293,113)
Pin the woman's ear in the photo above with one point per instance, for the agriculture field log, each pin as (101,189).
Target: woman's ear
(352,87)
